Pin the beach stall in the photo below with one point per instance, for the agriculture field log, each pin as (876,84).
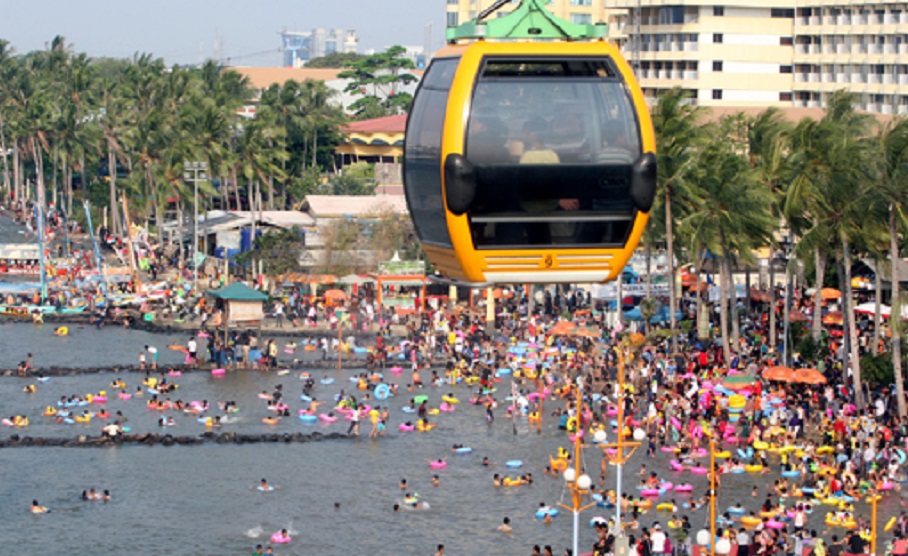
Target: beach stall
(239,306)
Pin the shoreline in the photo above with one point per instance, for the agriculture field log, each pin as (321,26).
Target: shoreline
(155,439)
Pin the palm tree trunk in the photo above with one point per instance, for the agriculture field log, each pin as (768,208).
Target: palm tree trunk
(820,271)
(649,270)
(733,294)
(7,186)
(314,145)
(878,297)
(270,193)
(895,318)
(53,181)
(68,186)
(16,173)
(851,328)
(670,253)
(724,280)
(236,188)
(112,175)
(772,303)
(180,228)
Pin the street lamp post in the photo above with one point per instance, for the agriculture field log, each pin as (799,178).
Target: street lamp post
(578,482)
(620,451)
(708,538)
(195,172)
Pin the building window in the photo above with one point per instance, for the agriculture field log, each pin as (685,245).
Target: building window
(581,19)
(785,96)
(717,38)
(717,94)
(785,69)
(581,2)
(452,19)
(453,2)
(718,11)
(786,41)
(782,12)
(717,65)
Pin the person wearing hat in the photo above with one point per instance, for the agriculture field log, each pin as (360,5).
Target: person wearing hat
(657,540)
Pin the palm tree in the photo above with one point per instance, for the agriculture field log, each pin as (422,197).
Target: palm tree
(679,135)
(768,149)
(731,213)
(828,190)
(889,177)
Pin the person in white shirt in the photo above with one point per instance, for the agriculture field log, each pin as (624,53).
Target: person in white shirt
(657,540)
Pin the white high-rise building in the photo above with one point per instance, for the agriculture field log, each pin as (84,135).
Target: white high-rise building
(300,47)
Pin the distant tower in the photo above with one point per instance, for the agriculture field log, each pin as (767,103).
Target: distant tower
(427,44)
(218,47)
(295,47)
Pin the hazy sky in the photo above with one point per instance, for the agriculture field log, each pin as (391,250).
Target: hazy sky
(185,31)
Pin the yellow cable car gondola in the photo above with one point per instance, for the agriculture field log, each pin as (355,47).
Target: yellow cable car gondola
(529,161)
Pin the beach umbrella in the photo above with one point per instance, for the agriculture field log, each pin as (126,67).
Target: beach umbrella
(797,316)
(834,317)
(586,332)
(830,293)
(738,382)
(335,294)
(809,376)
(780,374)
(869,308)
(563,327)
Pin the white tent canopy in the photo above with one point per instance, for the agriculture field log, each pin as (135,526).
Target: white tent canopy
(885,310)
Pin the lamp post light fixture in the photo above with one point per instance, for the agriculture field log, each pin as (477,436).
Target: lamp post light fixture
(195,172)
(620,451)
(579,486)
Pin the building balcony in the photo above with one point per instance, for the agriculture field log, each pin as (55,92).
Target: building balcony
(888,79)
(876,49)
(841,78)
(875,79)
(903,17)
(903,79)
(886,109)
(889,49)
(813,104)
(872,107)
(800,77)
(828,78)
(801,48)
(903,48)
(690,46)
(843,20)
(857,78)
(813,20)
(690,75)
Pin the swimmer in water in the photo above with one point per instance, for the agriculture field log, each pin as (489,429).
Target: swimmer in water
(38,508)
(436,481)
(403,484)
(505,526)
(263,485)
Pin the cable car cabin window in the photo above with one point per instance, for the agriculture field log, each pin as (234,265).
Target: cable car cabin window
(552,144)
(422,147)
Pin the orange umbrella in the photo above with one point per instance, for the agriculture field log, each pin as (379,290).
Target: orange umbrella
(335,295)
(797,316)
(563,327)
(834,317)
(780,374)
(586,332)
(830,293)
(809,376)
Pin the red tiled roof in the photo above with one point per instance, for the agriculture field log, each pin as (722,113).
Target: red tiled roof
(387,124)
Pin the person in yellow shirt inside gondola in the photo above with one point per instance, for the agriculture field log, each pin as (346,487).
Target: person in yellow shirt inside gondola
(536,152)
